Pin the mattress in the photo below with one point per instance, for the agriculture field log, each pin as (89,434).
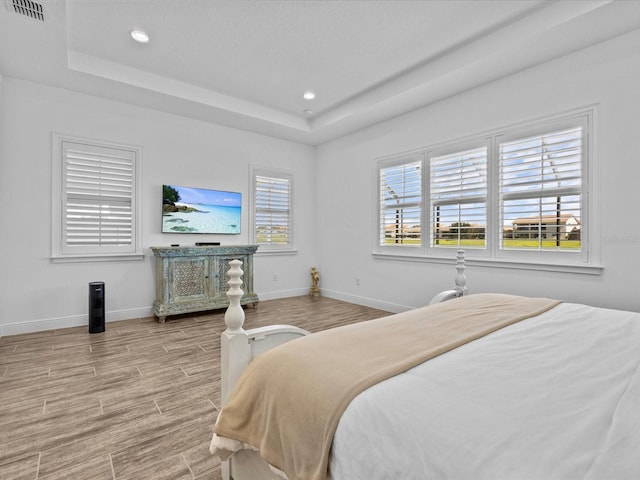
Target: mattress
(556,396)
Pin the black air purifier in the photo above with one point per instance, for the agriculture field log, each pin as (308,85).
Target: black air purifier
(96,307)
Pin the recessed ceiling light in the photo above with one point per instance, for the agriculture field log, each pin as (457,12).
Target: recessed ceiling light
(139,36)
(308,112)
(309,95)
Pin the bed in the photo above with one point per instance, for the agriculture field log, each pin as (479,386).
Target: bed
(533,389)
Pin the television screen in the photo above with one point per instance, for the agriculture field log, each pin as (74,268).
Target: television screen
(199,210)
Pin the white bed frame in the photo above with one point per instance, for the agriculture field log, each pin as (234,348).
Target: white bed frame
(239,347)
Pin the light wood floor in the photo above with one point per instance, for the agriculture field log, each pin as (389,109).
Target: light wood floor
(136,402)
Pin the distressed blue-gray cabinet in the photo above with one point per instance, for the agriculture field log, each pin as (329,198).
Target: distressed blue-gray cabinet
(194,279)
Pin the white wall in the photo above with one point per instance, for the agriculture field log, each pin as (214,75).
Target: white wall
(36,294)
(606,74)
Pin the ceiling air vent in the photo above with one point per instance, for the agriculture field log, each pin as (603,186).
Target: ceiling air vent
(28,8)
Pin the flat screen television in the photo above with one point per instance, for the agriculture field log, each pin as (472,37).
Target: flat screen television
(200,210)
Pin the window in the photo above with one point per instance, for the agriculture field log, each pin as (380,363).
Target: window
(95,208)
(515,195)
(541,191)
(458,194)
(401,203)
(272,217)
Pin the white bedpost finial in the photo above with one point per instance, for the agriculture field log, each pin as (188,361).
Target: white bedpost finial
(461,280)
(234,316)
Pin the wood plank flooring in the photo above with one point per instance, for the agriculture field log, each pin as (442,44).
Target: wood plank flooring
(137,402)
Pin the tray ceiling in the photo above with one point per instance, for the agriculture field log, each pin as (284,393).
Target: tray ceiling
(246,64)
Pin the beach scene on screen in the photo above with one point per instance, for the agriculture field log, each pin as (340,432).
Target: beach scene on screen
(198,210)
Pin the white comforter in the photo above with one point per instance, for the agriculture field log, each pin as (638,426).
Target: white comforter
(553,397)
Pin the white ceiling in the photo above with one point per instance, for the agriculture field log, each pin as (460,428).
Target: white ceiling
(247,63)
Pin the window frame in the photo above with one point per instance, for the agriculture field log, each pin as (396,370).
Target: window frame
(586,261)
(271,248)
(62,252)
(452,149)
(585,121)
(388,163)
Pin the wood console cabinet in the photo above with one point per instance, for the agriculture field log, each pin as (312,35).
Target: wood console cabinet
(194,279)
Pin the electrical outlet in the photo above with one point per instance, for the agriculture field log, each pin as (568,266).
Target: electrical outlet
(275,277)
(358,281)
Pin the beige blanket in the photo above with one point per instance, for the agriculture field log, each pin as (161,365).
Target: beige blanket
(289,400)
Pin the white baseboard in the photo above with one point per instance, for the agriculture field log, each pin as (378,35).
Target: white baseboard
(66,322)
(283,294)
(367,302)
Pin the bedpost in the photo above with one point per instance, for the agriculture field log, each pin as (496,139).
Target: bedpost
(234,343)
(461,282)
(234,316)
(235,348)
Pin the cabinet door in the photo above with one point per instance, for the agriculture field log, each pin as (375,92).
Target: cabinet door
(221,272)
(189,279)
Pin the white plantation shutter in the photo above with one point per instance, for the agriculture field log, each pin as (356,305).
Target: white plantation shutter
(520,195)
(541,191)
(272,209)
(458,196)
(98,199)
(401,204)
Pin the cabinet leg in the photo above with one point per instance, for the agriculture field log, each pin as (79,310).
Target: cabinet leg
(162,319)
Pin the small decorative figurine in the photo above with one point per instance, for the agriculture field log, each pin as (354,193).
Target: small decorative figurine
(315,276)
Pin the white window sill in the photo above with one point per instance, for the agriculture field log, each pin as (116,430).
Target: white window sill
(287,251)
(497,263)
(116,257)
